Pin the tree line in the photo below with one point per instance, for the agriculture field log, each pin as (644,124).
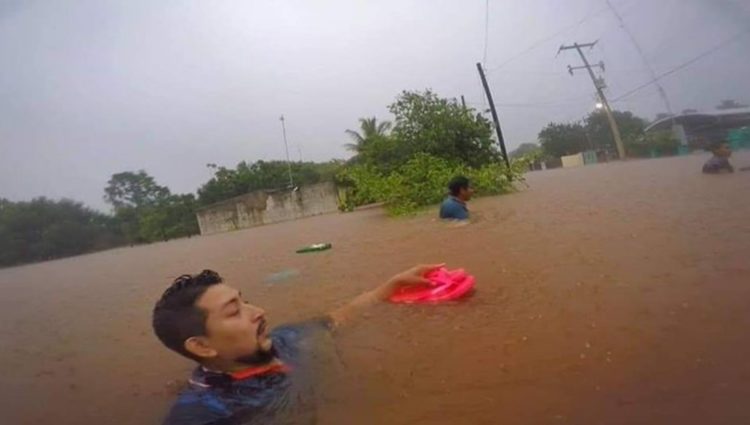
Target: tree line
(143,211)
(558,139)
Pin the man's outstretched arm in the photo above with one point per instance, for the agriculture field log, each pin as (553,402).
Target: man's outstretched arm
(413,276)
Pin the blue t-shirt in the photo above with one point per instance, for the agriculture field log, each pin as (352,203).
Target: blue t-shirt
(453,208)
(275,397)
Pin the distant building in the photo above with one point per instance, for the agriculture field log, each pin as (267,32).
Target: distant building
(702,128)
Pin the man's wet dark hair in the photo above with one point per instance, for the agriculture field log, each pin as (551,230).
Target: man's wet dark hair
(176,317)
(716,144)
(458,183)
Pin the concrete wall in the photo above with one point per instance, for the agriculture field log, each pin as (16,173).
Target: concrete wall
(572,160)
(258,208)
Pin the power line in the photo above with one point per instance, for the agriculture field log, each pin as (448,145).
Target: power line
(683,65)
(638,48)
(640,95)
(486,29)
(568,101)
(543,40)
(541,104)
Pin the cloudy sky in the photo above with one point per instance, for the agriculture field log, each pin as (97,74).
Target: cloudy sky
(90,88)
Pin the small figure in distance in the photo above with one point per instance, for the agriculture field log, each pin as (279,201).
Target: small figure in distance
(454,206)
(719,163)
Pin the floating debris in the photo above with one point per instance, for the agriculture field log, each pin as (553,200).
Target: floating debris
(281,276)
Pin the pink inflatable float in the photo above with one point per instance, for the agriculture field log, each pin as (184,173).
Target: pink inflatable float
(444,285)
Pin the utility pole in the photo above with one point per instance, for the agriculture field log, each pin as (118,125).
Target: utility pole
(286,147)
(494,117)
(600,92)
(463,102)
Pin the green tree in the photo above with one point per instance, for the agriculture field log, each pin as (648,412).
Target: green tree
(657,143)
(370,131)
(426,123)
(173,217)
(525,149)
(146,211)
(597,128)
(560,139)
(420,181)
(129,189)
(262,175)
(563,139)
(42,229)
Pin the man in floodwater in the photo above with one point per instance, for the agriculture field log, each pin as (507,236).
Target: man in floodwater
(247,373)
(454,206)
(719,163)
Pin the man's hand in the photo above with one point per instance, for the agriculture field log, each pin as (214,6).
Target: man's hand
(413,276)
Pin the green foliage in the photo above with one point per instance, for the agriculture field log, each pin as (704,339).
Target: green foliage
(660,143)
(426,123)
(492,179)
(526,149)
(597,127)
(228,183)
(433,139)
(370,132)
(136,190)
(147,212)
(423,123)
(421,181)
(361,184)
(173,218)
(563,139)
(560,139)
(43,229)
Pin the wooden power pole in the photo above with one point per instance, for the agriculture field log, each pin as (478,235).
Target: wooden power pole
(286,148)
(500,138)
(600,92)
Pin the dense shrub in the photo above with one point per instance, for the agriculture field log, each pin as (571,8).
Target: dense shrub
(421,181)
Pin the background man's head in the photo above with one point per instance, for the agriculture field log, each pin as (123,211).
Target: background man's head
(206,320)
(460,187)
(721,149)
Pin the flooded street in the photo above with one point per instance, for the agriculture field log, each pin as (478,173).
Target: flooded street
(616,293)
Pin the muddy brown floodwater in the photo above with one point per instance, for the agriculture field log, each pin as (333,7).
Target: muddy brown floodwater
(615,294)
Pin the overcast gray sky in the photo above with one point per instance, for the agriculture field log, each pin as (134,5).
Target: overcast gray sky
(90,88)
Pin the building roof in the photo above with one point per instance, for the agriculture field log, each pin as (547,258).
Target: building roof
(699,118)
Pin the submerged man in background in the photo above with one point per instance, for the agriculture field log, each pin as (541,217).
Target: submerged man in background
(719,162)
(247,374)
(454,206)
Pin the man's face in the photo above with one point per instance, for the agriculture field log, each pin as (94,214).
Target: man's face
(465,193)
(723,151)
(235,329)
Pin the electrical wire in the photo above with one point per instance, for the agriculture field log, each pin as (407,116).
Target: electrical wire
(543,103)
(486,29)
(684,65)
(638,48)
(545,39)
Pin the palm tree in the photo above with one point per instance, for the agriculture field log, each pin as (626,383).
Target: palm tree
(370,129)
